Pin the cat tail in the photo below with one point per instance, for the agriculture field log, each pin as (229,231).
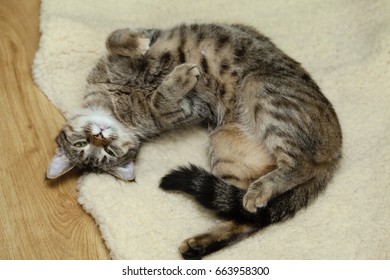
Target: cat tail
(227,200)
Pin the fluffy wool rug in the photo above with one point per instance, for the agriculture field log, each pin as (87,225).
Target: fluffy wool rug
(343,44)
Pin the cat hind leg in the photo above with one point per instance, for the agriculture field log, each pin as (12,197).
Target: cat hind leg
(223,235)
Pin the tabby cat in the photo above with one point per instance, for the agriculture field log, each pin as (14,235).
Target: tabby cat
(275,140)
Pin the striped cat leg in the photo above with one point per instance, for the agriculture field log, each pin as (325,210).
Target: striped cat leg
(171,103)
(287,175)
(288,122)
(223,235)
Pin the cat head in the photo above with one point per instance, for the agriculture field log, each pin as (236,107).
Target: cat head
(95,141)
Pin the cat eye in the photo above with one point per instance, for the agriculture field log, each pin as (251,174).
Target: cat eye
(111,153)
(80,144)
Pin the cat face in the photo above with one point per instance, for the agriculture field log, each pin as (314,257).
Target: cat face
(94,140)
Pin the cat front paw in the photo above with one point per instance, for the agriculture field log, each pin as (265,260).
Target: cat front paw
(185,76)
(143,44)
(125,42)
(257,196)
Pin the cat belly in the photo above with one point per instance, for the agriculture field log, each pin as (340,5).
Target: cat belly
(237,157)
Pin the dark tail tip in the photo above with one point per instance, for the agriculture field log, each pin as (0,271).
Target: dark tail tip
(187,179)
(180,179)
(194,181)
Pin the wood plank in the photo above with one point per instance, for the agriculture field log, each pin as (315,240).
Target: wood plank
(39,219)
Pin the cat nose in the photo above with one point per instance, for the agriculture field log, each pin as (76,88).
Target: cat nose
(98,140)
(98,136)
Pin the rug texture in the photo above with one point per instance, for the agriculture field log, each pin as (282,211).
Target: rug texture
(344,44)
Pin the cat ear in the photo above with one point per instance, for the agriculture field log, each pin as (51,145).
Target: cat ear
(125,172)
(60,164)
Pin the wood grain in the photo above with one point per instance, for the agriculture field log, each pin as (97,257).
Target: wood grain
(39,219)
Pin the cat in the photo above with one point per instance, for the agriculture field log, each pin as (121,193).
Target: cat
(275,140)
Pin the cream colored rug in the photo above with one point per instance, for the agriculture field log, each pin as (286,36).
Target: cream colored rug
(344,44)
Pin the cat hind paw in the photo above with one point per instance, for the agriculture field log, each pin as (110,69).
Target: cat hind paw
(191,250)
(256,198)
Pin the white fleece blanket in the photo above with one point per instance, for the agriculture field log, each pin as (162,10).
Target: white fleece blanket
(344,44)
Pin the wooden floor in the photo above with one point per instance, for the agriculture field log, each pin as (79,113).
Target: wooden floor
(38,219)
